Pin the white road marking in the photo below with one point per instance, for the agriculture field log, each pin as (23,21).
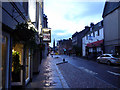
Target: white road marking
(117,74)
(116,67)
(87,70)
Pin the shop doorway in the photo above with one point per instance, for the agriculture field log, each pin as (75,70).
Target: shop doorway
(17,63)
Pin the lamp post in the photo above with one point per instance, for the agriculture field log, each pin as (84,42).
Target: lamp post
(41,37)
(41,40)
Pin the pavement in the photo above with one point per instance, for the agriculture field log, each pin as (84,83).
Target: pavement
(54,73)
(49,75)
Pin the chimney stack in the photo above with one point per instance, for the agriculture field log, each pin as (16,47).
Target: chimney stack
(92,24)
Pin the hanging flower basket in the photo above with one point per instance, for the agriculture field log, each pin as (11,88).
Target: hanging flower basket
(23,34)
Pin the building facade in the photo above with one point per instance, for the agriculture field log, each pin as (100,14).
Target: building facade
(15,13)
(111,22)
(12,14)
(77,41)
(45,25)
(93,41)
(65,46)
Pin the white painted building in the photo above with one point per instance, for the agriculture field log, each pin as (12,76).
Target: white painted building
(93,40)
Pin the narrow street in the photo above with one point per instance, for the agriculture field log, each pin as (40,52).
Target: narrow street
(59,44)
(77,73)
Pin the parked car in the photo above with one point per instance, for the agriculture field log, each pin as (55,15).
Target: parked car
(109,59)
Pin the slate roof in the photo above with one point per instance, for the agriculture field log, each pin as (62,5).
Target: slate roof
(83,32)
(74,34)
(110,7)
(96,27)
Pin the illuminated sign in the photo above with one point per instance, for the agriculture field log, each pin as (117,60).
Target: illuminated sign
(46,34)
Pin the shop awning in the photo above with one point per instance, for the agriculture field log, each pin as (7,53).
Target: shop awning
(95,44)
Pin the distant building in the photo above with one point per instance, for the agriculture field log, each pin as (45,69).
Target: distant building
(111,22)
(75,37)
(77,41)
(93,41)
(54,45)
(65,46)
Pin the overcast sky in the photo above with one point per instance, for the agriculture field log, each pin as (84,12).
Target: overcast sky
(65,17)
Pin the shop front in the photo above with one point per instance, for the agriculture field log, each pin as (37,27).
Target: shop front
(17,63)
(23,46)
(20,68)
(95,49)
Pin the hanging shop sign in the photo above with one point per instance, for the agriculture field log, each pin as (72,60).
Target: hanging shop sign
(46,34)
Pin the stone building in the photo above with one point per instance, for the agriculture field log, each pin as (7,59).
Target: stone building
(65,46)
(77,41)
(111,25)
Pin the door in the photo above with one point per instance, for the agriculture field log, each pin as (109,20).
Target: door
(17,78)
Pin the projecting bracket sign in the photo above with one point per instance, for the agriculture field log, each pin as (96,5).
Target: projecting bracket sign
(46,34)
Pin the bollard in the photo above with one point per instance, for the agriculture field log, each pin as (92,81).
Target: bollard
(63,59)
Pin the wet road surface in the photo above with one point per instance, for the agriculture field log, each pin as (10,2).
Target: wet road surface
(110,74)
(77,78)
(77,73)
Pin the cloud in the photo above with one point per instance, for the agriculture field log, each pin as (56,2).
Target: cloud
(84,10)
(59,37)
(66,17)
(58,31)
(58,34)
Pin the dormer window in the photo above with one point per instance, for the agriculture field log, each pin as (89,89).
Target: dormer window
(87,37)
(93,34)
(100,24)
(98,33)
